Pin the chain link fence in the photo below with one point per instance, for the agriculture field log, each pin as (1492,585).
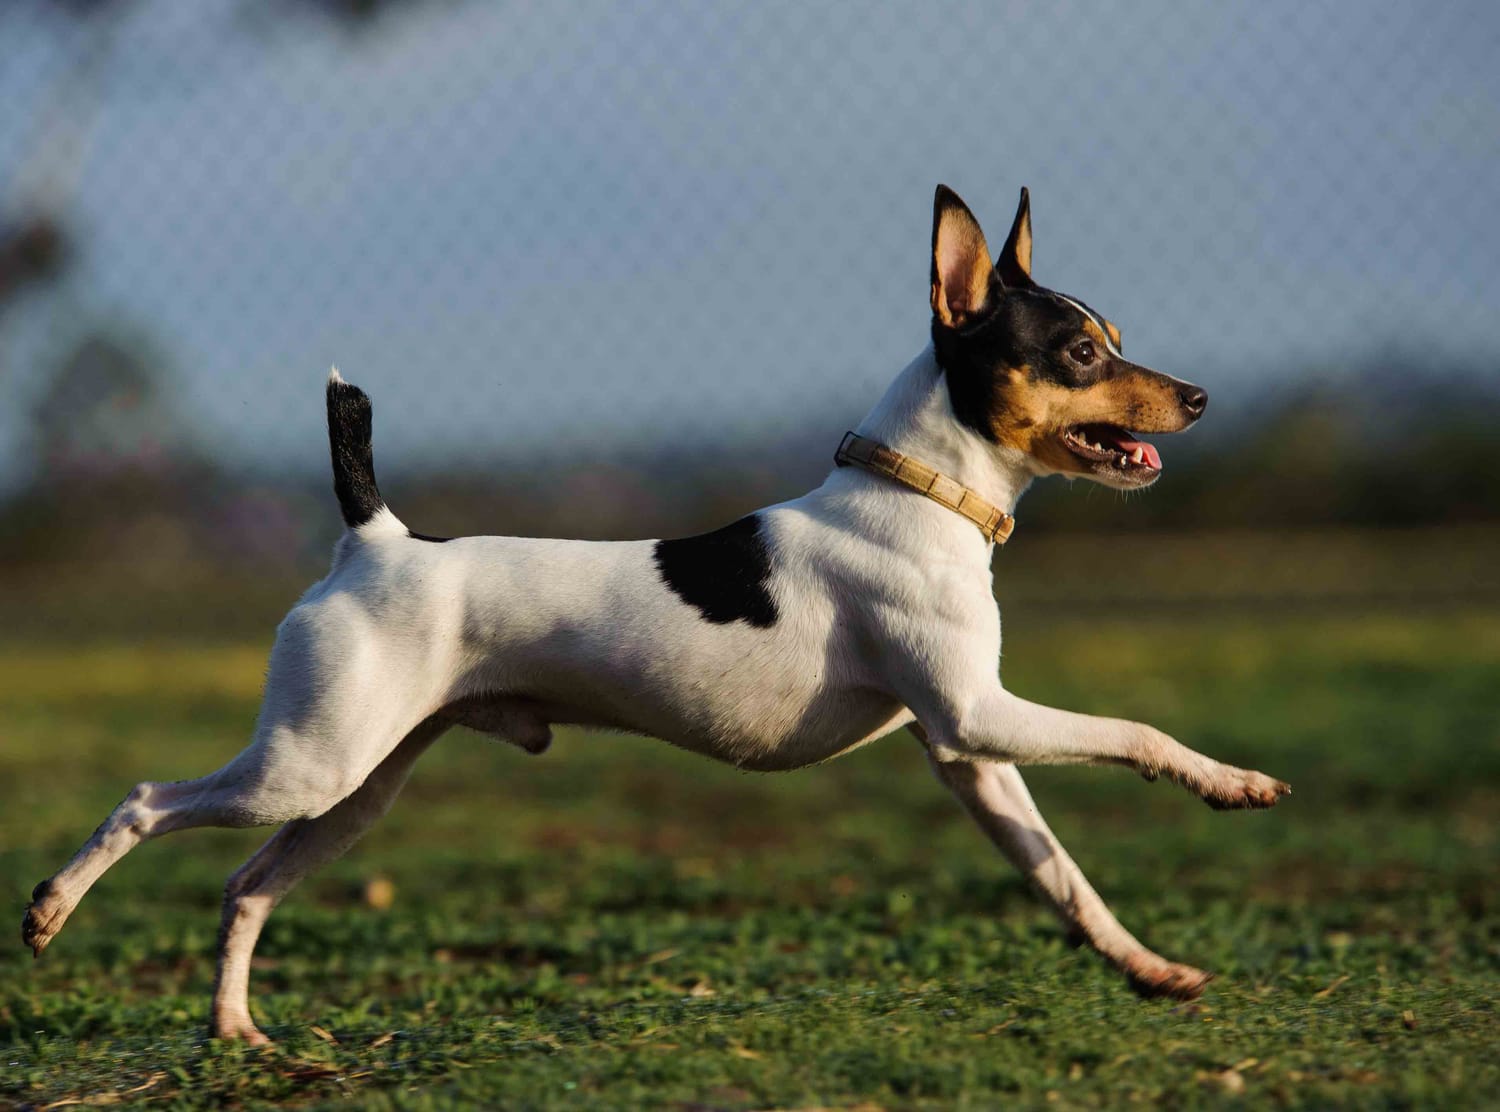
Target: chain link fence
(612,252)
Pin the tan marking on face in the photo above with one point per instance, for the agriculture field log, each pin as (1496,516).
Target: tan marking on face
(1096,333)
(1032,414)
(1092,325)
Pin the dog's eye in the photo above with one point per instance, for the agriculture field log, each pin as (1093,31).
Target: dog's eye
(1083,352)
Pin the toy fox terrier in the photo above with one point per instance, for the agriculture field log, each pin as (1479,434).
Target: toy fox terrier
(798,633)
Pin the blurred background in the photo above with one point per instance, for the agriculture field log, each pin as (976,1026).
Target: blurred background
(625,271)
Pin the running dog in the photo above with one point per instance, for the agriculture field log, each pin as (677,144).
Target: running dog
(796,634)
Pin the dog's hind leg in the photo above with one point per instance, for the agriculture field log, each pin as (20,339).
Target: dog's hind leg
(996,796)
(149,811)
(294,851)
(281,776)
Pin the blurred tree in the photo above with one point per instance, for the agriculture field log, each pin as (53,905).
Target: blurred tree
(31,250)
(116,463)
(353,14)
(105,412)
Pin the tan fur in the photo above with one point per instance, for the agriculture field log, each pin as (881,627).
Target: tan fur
(1031,414)
(961,259)
(1023,244)
(1114,333)
(1097,334)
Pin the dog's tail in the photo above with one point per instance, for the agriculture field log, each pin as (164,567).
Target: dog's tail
(353,458)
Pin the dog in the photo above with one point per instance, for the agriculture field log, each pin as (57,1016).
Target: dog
(798,633)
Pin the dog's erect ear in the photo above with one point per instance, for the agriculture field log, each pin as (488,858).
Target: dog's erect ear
(1014,264)
(961,267)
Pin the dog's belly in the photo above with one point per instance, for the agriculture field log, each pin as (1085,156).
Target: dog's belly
(792,735)
(829,725)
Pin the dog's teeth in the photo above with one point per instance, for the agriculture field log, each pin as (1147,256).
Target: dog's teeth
(1098,447)
(1139,455)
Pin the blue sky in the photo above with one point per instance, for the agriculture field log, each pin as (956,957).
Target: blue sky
(565,228)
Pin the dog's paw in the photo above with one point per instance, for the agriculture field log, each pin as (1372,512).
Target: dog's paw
(239,1029)
(1239,789)
(1158,977)
(45,916)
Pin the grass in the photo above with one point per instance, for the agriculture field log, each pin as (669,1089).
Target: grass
(618,925)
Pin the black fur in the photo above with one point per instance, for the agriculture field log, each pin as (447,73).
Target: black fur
(1021,328)
(425,537)
(353,458)
(1008,265)
(1019,324)
(724,574)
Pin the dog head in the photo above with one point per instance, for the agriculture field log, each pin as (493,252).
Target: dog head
(1038,371)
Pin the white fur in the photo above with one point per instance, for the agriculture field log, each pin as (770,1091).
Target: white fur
(887,618)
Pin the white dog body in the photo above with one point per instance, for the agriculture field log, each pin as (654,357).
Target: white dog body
(520,634)
(801,632)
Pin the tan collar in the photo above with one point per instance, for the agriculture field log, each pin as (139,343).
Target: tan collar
(993,522)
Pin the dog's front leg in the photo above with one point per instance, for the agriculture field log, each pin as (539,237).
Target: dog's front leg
(996,796)
(999,726)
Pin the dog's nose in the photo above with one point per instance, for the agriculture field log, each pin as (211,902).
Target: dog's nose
(1194,399)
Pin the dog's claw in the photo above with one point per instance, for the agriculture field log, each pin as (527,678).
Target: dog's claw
(1169,980)
(1245,790)
(31,934)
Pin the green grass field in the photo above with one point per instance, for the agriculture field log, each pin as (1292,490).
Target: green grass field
(618,925)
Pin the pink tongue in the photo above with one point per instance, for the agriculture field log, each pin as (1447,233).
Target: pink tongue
(1128,446)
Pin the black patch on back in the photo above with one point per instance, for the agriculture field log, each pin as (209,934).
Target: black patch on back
(1023,328)
(724,574)
(425,537)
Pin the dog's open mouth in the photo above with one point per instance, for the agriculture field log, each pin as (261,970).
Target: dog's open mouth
(1111,448)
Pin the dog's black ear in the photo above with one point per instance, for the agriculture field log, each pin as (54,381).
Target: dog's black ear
(1014,264)
(961,267)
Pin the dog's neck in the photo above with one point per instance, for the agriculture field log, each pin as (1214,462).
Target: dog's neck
(916,418)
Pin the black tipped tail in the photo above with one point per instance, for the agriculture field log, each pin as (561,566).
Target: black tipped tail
(353,458)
